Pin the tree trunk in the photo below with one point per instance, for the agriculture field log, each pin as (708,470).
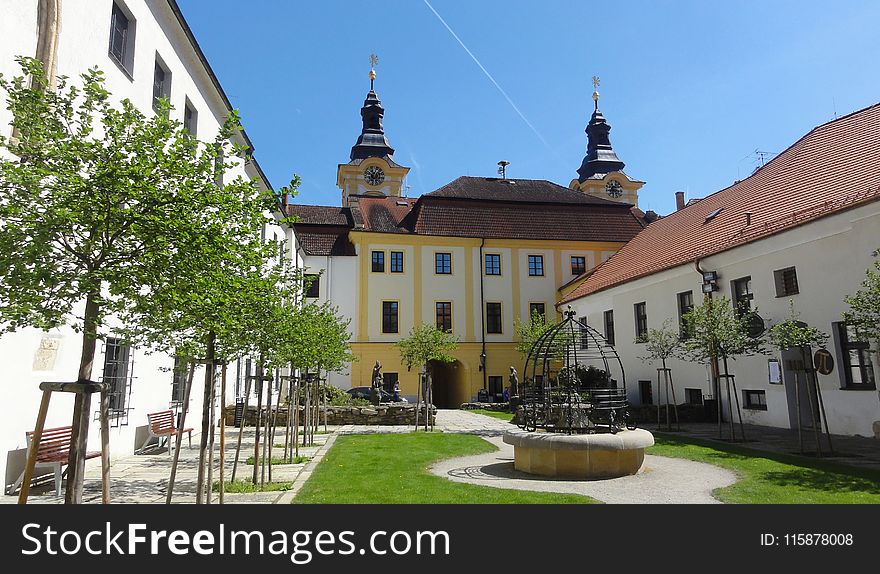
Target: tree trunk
(247,394)
(80,432)
(259,380)
(180,427)
(222,430)
(206,414)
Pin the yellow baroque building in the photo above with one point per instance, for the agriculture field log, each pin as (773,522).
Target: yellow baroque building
(471,257)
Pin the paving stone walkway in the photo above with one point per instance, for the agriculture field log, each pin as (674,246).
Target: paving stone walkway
(143,478)
(661,480)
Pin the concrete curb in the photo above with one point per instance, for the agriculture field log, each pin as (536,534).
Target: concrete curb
(287,496)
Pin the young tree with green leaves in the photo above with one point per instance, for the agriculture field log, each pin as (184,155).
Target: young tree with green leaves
(864,312)
(717,331)
(103,205)
(528,332)
(660,345)
(795,334)
(426,343)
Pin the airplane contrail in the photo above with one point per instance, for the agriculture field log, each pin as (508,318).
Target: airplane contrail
(488,75)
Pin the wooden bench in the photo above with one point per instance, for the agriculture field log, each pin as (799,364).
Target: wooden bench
(53,452)
(161,425)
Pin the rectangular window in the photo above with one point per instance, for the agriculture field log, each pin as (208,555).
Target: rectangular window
(608,317)
(313,285)
(539,309)
(693,396)
(496,388)
(121,36)
(685,306)
(578,265)
(397,261)
(536,265)
(444,315)
(493,264)
(584,335)
(443,263)
(190,118)
(754,400)
(161,84)
(378,259)
(493,318)
(857,369)
(786,282)
(641,316)
(742,294)
(178,379)
(389,317)
(116,367)
(646,392)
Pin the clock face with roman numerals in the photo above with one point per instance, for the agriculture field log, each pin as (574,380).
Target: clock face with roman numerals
(374,175)
(613,188)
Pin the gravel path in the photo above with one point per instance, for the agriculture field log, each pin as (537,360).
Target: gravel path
(661,480)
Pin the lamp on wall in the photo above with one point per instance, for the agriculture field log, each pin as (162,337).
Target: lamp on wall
(482,361)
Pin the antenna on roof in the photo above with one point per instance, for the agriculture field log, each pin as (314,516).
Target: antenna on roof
(502,168)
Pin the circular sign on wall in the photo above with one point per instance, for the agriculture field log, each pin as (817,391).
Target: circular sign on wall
(824,362)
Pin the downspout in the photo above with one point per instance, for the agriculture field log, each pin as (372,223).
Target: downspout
(483,320)
(713,363)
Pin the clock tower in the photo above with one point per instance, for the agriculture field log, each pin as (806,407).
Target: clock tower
(372,169)
(601,173)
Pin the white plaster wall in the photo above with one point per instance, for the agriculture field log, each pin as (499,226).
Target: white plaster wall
(83,43)
(338,285)
(830,256)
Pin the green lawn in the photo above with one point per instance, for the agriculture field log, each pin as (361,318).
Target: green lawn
(246,486)
(494,414)
(392,469)
(770,478)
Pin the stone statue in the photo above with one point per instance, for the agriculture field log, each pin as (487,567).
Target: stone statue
(514,382)
(376,389)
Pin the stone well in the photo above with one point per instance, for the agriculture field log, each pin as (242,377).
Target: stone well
(600,455)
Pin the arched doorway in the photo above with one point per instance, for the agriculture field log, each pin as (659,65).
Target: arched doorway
(448,384)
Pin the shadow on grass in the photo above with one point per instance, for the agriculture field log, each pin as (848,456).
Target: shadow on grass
(821,480)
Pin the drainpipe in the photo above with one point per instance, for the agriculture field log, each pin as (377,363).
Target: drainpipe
(483,321)
(713,362)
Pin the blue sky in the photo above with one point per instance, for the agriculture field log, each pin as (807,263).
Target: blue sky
(691,89)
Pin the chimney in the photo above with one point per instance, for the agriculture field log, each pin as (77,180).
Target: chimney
(748,218)
(679,200)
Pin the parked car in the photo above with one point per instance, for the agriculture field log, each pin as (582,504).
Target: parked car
(365,393)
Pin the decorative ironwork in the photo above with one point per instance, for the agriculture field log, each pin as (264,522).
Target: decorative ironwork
(573,382)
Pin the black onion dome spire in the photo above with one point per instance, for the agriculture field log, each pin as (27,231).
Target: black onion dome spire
(372,141)
(600,158)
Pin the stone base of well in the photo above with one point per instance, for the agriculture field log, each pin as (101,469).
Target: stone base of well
(598,455)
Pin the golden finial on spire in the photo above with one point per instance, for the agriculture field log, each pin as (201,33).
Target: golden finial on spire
(596,91)
(374,60)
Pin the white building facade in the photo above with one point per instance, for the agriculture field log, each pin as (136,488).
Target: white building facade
(145,49)
(801,231)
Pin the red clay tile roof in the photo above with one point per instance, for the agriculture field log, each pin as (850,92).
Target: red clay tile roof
(481,207)
(383,214)
(320,214)
(514,191)
(324,240)
(834,167)
(511,221)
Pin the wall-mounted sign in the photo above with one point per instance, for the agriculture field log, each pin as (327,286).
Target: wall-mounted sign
(775,372)
(824,362)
